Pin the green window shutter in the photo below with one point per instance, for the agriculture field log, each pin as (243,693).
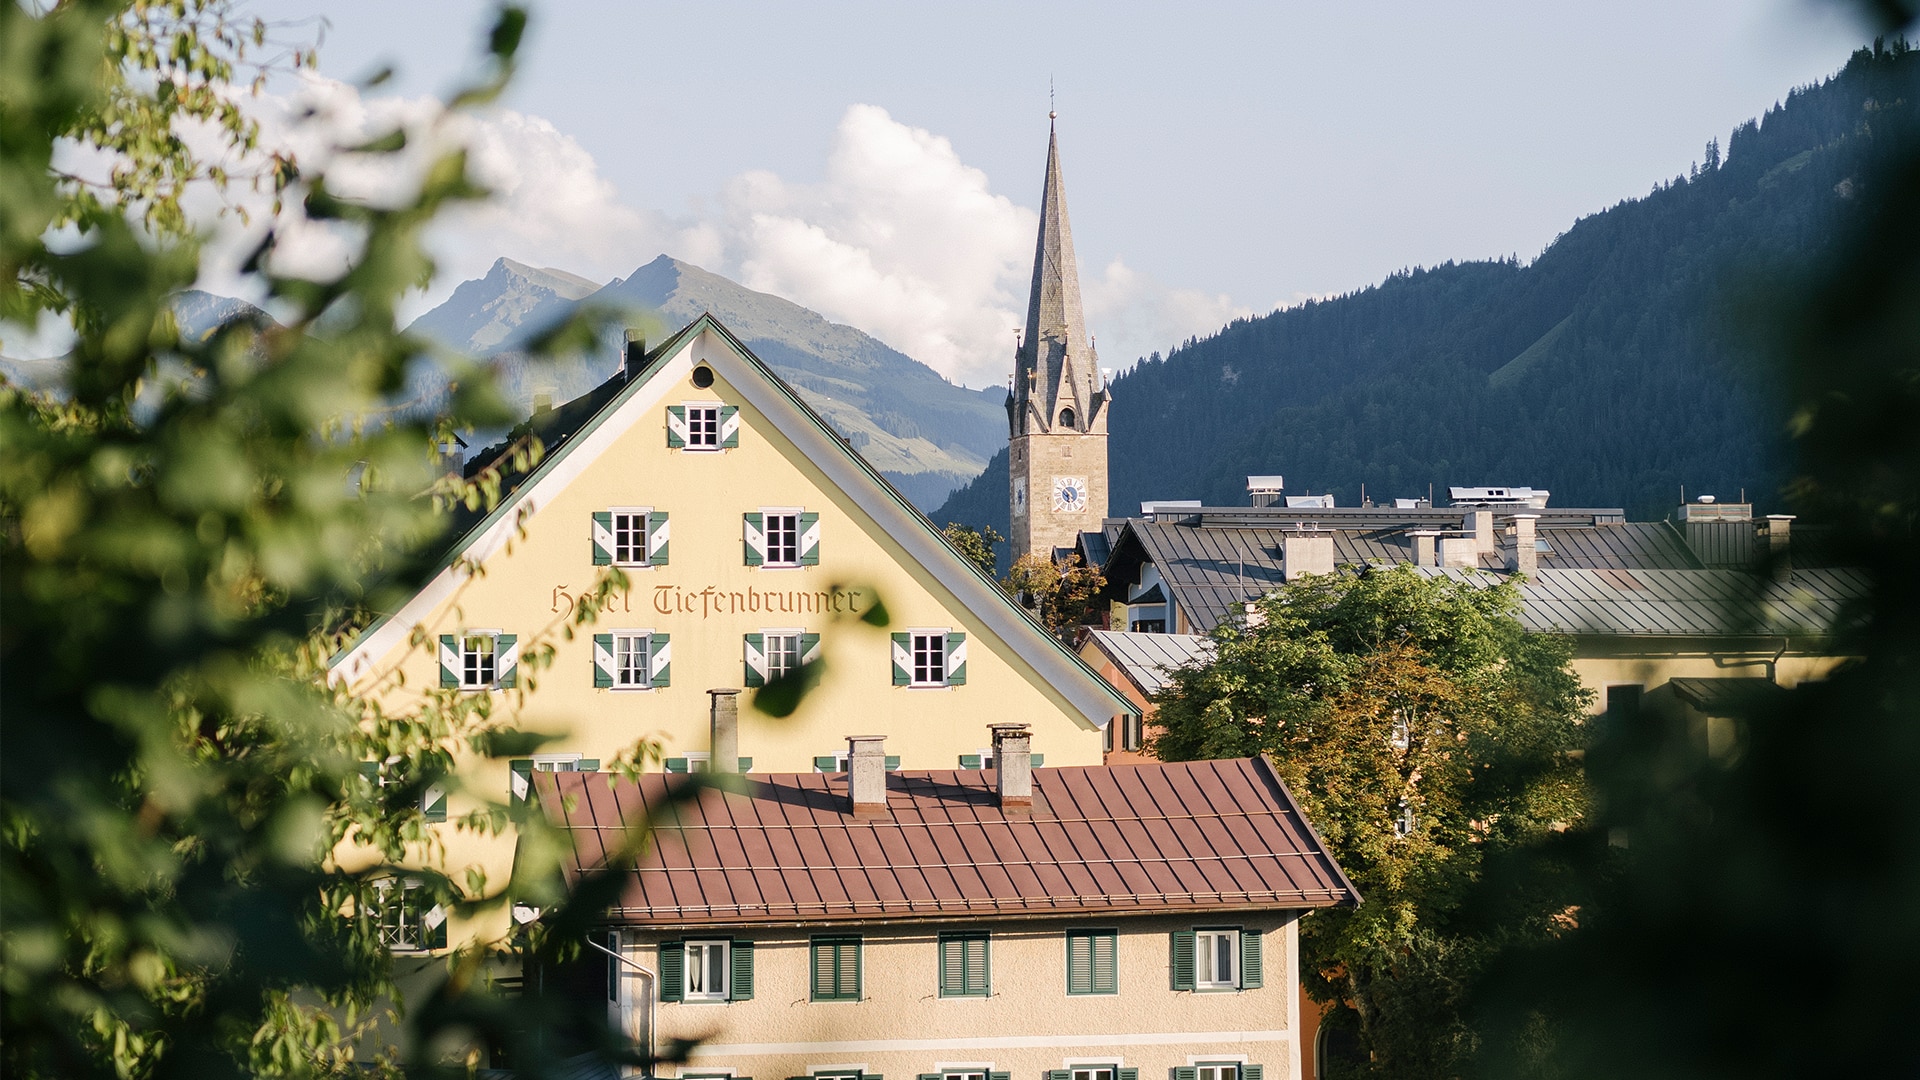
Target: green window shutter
(1129,1074)
(433,803)
(740,984)
(1059,1074)
(745,764)
(809,648)
(756,539)
(809,539)
(519,781)
(673,970)
(587,764)
(893,762)
(756,650)
(1106,963)
(603,660)
(1186,1072)
(603,538)
(956,658)
(999,1076)
(676,436)
(506,658)
(902,659)
(836,969)
(1250,1072)
(1250,977)
(1182,959)
(1079,963)
(659,532)
(1038,760)
(729,427)
(449,660)
(675,764)
(932,1076)
(963,965)
(660,656)
(972,761)
(826,763)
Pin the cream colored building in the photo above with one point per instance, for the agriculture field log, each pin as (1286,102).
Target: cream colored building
(752,539)
(1083,923)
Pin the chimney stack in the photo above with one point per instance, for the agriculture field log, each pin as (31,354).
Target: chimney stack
(725,745)
(1524,558)
(1480,524)
(867,775)
(634,355)
(1013,767)
(1780,546)
(1424,547)
(1306,554)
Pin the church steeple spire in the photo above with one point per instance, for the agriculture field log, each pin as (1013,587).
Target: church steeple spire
(1057,407)
(1057,379)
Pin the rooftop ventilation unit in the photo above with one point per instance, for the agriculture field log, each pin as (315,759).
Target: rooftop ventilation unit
(1531,498)
(1310,502)
(1265,490)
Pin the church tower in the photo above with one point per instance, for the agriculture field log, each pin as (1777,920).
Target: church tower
(1057,407)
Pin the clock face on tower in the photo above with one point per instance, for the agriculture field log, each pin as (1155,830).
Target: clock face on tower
(1069,494)
(1019,496)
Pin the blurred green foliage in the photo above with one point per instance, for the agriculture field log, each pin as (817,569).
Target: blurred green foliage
(182,522)
(1750,913)
(1428,738)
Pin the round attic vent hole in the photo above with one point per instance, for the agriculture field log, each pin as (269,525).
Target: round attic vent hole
(703,376)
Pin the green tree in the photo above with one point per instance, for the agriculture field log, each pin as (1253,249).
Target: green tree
(1426,735)
(1064,594)
(976,545)
(178,529)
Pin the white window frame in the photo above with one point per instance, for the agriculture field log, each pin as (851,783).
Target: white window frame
(839,763)
(964,1074)
(914,638)
(1407,823)
(645,646)
(1089,1071)
(1216,1070)
(1205,953)
(407,930)
(691,969)
(645,516)
(467,682)
(766,649)
(556,762)
(704,409)
(767,516)
(701,758)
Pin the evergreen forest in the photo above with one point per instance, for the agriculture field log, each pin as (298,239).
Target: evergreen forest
(1626,361)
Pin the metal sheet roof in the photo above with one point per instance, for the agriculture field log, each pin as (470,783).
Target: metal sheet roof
(1107,840)
(1147,658)
(1690,603)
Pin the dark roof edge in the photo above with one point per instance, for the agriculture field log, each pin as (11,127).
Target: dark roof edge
(1286,796)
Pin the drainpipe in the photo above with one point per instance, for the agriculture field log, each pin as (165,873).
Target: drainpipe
(653,986)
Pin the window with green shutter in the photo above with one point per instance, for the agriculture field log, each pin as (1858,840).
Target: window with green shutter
(836,968)
(1093,962)
(1216,958)
(964,964)
(519,781)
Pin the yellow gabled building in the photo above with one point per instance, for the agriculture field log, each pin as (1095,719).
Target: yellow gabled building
(752,538)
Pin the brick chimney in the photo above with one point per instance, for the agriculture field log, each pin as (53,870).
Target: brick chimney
(1780,546)
(867,775)
(725,744)
(1013,767)
(1524,556)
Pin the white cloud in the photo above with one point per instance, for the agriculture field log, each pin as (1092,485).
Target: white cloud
(900,238)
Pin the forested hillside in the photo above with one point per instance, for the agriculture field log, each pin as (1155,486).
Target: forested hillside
(1612,369)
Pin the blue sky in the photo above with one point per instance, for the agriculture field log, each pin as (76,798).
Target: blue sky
(880,162)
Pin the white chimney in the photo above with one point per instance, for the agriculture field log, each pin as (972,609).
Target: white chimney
(724,712)
(1480,524)
(1424,548)
(1780,546)
(1459,551)
(1013,767)
(1303,555)
(1524,557)
(867,775)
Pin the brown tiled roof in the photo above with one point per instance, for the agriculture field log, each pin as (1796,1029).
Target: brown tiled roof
(1105,840)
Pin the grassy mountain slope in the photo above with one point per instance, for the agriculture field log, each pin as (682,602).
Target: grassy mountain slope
(1614,368)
